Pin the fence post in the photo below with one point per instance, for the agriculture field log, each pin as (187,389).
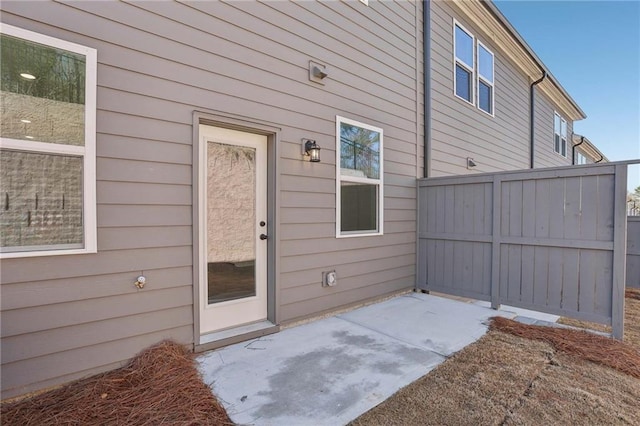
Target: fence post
(495,242)
(619,250)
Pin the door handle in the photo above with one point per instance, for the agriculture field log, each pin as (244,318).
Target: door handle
(263,236)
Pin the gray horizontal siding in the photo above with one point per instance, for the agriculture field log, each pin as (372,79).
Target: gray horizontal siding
(157,63)
(461,130)
(544,143)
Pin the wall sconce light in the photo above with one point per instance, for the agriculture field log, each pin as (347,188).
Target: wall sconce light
(311,149)
(470,163)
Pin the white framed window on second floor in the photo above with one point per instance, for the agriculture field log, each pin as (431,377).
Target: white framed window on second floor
(464,60)
(559,134)
(485,79)
(473,70)
(47,146)
(359,179)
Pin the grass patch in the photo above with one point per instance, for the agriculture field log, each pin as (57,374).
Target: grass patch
(542,378)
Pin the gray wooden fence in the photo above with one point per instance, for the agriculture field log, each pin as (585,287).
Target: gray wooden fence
(633,251)
(551,240)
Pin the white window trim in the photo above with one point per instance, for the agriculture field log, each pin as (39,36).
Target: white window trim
(484,80)
(463,64)
(566,123)
(88,151)
(339,179)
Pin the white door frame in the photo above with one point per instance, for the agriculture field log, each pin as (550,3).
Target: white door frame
(233,313)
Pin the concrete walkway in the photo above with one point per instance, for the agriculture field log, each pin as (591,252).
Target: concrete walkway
(330,371)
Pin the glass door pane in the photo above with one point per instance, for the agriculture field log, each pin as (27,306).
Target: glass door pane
(231,222)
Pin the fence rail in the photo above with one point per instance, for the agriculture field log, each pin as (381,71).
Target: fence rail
(552,240)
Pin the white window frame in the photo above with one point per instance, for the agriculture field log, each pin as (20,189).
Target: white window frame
(339,179)
(484,80)
(563,140)
(87,152)
(469,67)
(581,159)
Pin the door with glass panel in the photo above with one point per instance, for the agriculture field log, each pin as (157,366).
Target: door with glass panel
(233,230)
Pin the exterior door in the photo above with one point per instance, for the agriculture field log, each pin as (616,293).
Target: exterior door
(233,216)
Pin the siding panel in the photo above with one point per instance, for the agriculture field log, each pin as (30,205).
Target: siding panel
(159,62)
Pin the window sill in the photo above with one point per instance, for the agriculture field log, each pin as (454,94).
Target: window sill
(46,253)
(360,234)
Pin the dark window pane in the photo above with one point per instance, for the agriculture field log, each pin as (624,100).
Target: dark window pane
(463,83)
(557,143)
(564,147)
(42,197)
(42,91)
(359,207)
(484,96)
(359,151)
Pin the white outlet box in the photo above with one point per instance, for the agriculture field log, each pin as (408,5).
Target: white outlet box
(329,279)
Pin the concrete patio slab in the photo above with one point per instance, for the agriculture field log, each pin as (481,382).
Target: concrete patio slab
(330,371)
(434,323)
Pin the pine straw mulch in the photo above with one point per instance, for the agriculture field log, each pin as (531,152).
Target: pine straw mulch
(161,385)
(588,346)
(507,379)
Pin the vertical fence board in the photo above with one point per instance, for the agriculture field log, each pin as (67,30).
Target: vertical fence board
(554,288)
(528,267)
(570,287)
(541,276)
(542,208)
(556,208)
(572,208)
(529,208)
(604,272)
(588,207)
(604,227)
(587,280)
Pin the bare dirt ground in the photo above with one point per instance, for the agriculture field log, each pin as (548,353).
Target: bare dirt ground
(503,379)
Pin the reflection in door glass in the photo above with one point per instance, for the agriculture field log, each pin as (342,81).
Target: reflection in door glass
(231,221)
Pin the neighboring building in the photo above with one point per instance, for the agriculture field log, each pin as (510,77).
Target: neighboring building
(585,152)
(139,140)
(482,74)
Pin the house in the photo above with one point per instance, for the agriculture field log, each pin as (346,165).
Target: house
(585,152)
(169,170)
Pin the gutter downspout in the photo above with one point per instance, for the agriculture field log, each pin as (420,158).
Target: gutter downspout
(532,153)
(426,75)
(601,158)
(573,151)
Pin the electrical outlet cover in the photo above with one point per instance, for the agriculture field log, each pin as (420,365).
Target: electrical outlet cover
(329,279)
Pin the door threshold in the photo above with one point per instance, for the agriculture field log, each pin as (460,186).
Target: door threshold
(230,336)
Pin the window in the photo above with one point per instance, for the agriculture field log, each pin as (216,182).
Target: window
(472,71)
(359,180)
(580,158)
(485,79)
(47,145)
(464,61)
(560,135)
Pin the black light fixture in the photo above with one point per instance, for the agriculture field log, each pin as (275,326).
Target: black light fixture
(311,149)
